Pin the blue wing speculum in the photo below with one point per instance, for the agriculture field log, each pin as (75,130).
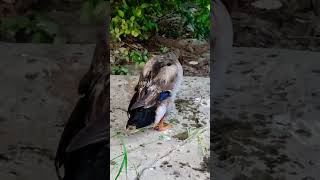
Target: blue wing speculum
(164,95)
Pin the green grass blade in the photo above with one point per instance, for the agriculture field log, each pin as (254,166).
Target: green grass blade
(122,164)
(126,160)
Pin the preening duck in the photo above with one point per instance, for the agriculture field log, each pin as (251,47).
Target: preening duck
(155,92)
(82,149)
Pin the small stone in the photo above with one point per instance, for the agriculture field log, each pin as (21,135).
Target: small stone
(193,62)
(122,49)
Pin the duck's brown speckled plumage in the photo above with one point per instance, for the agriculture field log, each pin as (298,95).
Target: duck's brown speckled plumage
(161,73)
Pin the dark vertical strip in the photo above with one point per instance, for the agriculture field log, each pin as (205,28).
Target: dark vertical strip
(221,42)
(212,44)
(212,40)
(84,145)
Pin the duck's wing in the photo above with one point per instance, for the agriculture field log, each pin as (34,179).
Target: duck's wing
(96,118)
(156,77)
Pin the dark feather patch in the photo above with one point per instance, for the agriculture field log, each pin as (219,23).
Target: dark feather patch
(141,117)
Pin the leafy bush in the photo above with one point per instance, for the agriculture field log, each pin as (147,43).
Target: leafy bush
(133,19)
(198,18)
(138,57)
(125,56)
(139,19)
(120,70)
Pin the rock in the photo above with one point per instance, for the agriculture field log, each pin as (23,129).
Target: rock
(193,62)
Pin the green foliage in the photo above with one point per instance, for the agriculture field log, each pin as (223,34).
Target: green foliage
(35,28)
(138,57)
(164,49)
(139,19)
(120,70)
(198,18)
(133,19)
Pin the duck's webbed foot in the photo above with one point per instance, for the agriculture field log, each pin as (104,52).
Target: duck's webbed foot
(161,126)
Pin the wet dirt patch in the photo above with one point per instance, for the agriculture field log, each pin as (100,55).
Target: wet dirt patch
(181,136)
(191,112)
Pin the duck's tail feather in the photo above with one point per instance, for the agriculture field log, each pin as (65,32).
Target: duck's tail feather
(141,117)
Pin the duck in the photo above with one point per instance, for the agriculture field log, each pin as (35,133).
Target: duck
(84,140)
(155,92)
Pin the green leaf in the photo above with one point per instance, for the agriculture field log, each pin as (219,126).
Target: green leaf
(144,5)
(124,70)
(125,6)
(135,32)
(145,52)
(121,13)
(164,49)
(124,26)
(138,12)
(116,30)
(118,70)
(141,65)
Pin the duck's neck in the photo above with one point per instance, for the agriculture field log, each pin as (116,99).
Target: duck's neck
(221,42)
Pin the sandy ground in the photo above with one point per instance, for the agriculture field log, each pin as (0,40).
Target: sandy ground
(164,155)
